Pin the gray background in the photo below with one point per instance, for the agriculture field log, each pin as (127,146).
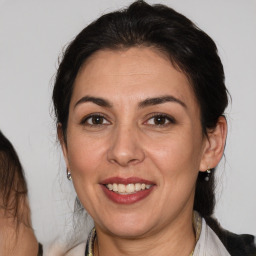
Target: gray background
(32,35)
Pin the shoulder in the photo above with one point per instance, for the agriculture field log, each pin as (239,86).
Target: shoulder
(77,250)
(60,249)
(235,244)
(238,245)
(209,243)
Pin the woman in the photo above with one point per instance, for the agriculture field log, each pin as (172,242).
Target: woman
(139,99)
(16,234)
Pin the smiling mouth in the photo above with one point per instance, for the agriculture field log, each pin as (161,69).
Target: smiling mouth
(128,189)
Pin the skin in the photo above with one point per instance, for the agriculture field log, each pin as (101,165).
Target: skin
(17,240)
(129,141)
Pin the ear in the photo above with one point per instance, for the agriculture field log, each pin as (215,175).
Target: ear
(214,146)
(63,143)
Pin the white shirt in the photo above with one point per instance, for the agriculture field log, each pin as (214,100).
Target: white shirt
(209,244)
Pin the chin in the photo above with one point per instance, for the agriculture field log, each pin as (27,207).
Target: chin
(129,232)
(129,227)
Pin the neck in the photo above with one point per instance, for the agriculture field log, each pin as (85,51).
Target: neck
(177,238)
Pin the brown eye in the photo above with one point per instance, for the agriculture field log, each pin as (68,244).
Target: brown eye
(95,120)
(160,120)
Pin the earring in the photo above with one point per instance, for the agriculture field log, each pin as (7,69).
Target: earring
(69,175)
(208,172)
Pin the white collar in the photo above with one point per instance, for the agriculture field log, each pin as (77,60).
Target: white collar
(209,244)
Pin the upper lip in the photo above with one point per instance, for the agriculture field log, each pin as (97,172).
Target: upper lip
(126,181)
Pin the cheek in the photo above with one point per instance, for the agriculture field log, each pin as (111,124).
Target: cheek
(85,154)
(85,157)
(177,154)
(177,160)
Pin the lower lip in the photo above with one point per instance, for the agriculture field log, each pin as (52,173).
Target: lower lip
(126,199)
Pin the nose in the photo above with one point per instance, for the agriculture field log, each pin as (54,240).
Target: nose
(125,148)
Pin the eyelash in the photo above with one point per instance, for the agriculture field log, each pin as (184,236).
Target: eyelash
(84,121)
(170,120)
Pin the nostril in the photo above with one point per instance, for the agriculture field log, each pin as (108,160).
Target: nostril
(125,149)
(134,161)
(126,160)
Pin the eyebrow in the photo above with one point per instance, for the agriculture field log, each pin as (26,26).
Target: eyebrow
(160,100)
(98,101)
(145,103)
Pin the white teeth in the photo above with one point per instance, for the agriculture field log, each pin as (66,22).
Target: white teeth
(137,187)
(110,186)
(127,189)
(121,188)
(130,188)
(115,187)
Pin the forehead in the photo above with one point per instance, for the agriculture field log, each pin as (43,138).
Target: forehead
(138,72)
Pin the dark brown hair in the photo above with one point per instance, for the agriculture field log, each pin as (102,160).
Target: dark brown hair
(189,49)
(13,187)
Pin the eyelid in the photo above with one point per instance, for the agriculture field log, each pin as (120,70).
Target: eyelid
(170,118)
(85,118)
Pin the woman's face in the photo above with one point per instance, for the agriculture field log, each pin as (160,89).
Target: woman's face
(134,141)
